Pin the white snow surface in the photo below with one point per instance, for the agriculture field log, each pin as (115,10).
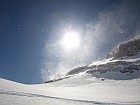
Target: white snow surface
(105,61)
(81,89)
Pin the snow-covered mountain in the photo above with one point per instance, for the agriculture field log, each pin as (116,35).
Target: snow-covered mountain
(112,81)
(122,64)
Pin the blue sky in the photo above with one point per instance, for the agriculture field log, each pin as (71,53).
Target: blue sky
(30,30)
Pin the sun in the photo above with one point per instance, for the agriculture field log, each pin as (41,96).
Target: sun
(71,40)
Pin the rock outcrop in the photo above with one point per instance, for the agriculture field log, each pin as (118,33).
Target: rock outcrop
(127,49)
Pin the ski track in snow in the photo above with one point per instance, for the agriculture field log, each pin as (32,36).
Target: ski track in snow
(47,100)
(62,100)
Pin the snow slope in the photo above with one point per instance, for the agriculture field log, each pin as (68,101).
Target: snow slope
(12,93)
(81,89)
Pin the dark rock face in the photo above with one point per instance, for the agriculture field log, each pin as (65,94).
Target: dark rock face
(54,80)
(127,49)
(77,70)
(121,64)
(117,66)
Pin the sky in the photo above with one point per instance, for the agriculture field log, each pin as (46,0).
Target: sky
(32,32)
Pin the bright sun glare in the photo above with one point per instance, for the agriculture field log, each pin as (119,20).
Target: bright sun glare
(71,40)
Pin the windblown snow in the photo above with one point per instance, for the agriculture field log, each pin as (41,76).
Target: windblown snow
(112,81)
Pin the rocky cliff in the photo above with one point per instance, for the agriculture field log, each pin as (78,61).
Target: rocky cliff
(122,63)
(127,49)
